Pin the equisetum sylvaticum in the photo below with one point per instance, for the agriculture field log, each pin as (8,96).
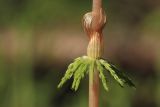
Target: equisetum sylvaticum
(93,64)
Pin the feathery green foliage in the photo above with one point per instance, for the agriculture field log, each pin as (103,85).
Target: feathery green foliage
(82,65)
(79,74)
(71,69)
(119,76)
(101,75)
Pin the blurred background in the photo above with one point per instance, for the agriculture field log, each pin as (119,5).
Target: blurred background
(39,38)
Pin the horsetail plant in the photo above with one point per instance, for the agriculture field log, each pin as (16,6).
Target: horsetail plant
(93,64)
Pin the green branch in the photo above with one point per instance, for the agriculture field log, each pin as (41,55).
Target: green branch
(83,65)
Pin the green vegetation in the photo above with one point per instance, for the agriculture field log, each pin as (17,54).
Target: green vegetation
(82,65)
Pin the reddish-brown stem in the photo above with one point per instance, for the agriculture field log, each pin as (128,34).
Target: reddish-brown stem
(93,24)
(97,5)
(96,12)
(94,75)
(94,89)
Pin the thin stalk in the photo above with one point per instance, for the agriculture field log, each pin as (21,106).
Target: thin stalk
(96,8)
(97,5)
(94,89)
(94,51)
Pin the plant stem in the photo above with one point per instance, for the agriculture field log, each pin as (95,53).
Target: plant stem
(93,88)
(97,5)
(94,50)
(96,12)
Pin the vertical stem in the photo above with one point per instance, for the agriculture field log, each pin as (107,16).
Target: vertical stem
(93,88)
(97,5)
(96,8)
(94,49)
